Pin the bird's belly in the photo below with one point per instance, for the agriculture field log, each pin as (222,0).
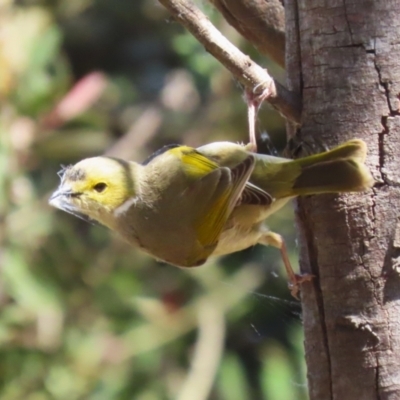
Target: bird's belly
(238,238)
(247,227)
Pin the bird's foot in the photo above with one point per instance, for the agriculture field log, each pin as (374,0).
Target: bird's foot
(297,280)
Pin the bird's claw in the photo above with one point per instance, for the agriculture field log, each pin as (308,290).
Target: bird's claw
(294,284)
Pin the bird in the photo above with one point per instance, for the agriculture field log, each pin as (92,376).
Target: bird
(184,205)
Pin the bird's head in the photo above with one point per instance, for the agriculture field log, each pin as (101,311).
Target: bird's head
(95,187)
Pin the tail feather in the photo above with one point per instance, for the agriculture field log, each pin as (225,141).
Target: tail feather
(338,170)
(355,149)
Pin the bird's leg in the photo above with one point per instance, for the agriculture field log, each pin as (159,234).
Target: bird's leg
(254,101)
(295,280)
(252,111)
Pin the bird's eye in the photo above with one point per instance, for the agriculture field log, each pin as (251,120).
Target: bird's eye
(100,187)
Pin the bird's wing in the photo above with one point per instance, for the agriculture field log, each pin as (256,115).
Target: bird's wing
(195,164)
(215,195)
(253,195)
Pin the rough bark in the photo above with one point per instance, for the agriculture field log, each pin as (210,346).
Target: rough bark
(344,57)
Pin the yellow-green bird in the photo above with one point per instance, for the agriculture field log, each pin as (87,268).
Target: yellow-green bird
(183,205)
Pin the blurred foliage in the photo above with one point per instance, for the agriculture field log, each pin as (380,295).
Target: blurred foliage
(84,316)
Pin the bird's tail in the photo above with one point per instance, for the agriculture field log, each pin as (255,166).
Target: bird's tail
(341,169)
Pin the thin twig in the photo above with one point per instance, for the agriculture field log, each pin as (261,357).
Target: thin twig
(251,75)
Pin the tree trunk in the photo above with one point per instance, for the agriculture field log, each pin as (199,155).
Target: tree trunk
(344,57)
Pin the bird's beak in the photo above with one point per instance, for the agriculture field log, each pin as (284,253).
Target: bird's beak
(62,199)
(60,196)
(53,197)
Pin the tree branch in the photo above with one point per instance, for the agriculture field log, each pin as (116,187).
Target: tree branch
(246,71)
(261,22)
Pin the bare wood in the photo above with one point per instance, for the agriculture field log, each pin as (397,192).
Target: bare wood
(246,71)
(350,79)
(261,22)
